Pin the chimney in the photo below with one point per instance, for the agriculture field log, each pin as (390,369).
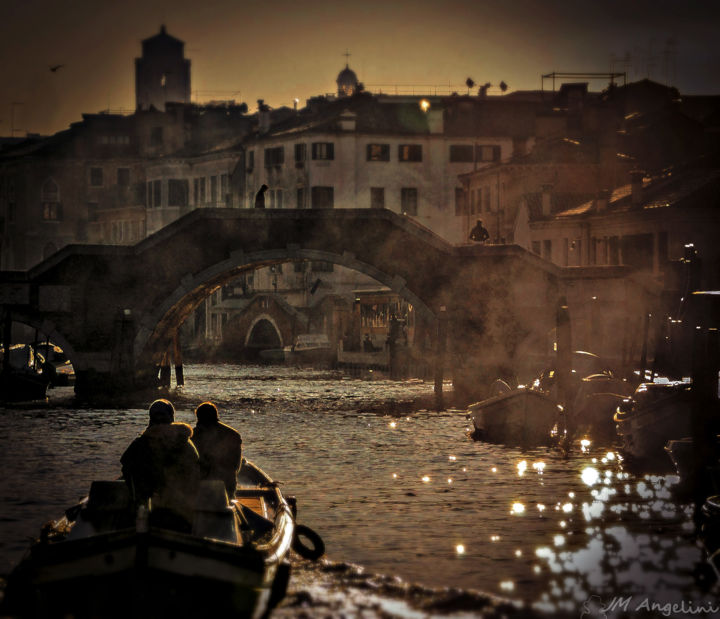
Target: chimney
(547,199)
(601,201)
(636,186)
(348,120)
(263,116)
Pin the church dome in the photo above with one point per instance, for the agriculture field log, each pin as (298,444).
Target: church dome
(347,82)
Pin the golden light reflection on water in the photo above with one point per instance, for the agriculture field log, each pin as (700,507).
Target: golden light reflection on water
(522,467)
(517,508)
(460,549)
(610,542)
(590,475)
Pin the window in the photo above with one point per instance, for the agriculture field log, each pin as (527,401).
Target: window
(223,187)
(377,197)
(321,197)
(92,208)
(276,198)
(486,199)
(536,247)
(199,190)
(96,177)
(274,156)
(378,152)
(324,151)
(213,190)
(322,267)
(251,161)
(408,200)
(487,152)
(50,191)
(300,152)
(300,267)
(177,192)
(461,153)
(156,136)
(300,199)
(123,176)
(52,211)
(157,193)
(460,201)
(410,152)
(50,197)
(547,249)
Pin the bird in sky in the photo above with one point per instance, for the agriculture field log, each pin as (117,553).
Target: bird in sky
(54,68)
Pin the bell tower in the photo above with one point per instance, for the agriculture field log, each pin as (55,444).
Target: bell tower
(162,74)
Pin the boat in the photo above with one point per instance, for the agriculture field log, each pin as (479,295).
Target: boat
(528,415)
(595,403)
(107,557)
(311,348)
(519,416)
(656,413)
(21,379)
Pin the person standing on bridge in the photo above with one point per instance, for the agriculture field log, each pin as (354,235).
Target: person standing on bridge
(260,197)
(479,233)
(219,446)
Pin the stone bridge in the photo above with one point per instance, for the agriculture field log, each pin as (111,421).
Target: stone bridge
(116,309)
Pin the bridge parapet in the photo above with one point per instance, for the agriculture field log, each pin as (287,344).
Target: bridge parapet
(116,309)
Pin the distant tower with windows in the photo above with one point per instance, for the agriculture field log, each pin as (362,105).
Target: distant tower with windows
(162,75)
(347,81)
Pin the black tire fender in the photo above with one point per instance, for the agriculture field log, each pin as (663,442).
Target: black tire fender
(313,552)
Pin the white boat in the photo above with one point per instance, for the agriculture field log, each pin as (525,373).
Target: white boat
(519,416)
(655,414)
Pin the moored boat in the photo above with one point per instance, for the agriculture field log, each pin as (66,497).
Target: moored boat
(655,414)
(519,416)
(108,557)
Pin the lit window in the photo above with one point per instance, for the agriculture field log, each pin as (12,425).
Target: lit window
(378,152)
(410,152)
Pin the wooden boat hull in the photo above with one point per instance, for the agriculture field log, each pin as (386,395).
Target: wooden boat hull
(521,416)
(145,570)
(656,414)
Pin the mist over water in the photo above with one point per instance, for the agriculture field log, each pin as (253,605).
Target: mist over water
(397,489)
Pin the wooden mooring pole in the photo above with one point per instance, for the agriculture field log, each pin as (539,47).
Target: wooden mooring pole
(177,356)
(564,358)
(440,345)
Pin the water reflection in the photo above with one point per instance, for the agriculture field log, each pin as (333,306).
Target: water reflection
(391,486)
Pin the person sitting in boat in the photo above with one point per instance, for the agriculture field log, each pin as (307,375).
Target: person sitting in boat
(163,464)
(219,446)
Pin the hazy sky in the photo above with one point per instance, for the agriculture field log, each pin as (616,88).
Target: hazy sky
(279,50)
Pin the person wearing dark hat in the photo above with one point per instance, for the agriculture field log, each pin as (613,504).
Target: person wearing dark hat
(219,446)
(162,462)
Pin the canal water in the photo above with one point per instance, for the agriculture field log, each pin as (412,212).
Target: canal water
(418,519)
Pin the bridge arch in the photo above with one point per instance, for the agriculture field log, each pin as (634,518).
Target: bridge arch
(158,326)
(48,329)
(257,322)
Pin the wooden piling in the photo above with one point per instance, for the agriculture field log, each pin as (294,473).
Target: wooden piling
(177,357)
(440,345)
(564,357)
(7,340)
(643,355)
(165,371)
